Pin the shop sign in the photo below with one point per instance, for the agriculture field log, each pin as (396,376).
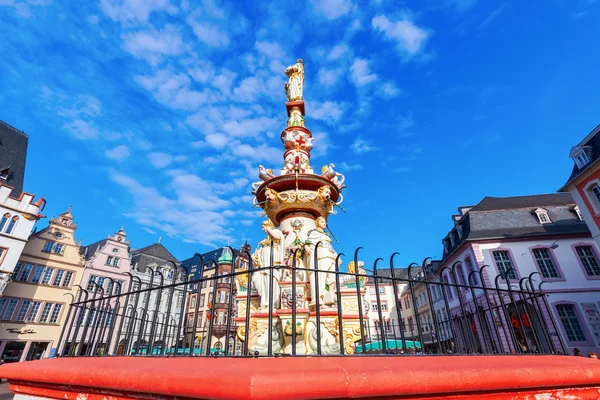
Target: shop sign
(21,331)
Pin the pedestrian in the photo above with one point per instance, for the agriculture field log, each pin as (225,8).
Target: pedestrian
(593,355)
(577,352)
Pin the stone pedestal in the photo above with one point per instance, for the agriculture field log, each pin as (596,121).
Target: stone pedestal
(258,339)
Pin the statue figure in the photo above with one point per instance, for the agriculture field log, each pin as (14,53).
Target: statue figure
(295,84)
(326,257)
(324,193)
(328,172)
(296,118)
(271,196)
(261,279)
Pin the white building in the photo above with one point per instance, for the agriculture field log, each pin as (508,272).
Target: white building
(18,210)
(543,235)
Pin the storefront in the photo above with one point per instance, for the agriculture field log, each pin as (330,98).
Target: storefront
(23,350)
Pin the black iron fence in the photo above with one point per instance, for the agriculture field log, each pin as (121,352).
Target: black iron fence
(244,310)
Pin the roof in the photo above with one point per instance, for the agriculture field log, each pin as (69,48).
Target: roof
(13,155)
(515,217)
(155,253)
(89,250)
(592,141)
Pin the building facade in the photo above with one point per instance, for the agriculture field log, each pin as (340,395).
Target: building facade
(584,182)
(213,298)
(18,210)
(541,237)
(35,302)
(107,268)
(152,268)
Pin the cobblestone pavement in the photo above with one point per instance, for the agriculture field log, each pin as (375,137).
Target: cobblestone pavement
(5,393)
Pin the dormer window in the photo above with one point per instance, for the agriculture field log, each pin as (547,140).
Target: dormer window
(542,215)
(578,211)
(445,243)
(451,236)
(4,174)
(581,158)
(459,231)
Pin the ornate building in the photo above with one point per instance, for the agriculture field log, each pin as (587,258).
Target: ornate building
(541,236)
(213,298)
(35,302)
(18,210)
(107,263)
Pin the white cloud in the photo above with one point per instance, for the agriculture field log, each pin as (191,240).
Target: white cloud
(92,19)
(270,49)
(409,38)
(360,72)
(22,8)
(119,153)
(328,111)
(338,51)
(81,129)
(173,89)
(150,231)
(134,10)
(389,90)
(328,77)
(360,146)
(151,45)
(332,9)
(159,159)
(217,140)
(209,33)
(344,166)
(462,5)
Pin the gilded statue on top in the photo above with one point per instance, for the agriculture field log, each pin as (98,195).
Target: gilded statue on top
(295,84)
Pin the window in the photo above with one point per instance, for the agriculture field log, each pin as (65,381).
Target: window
(116,262)
(109,260)
(222,297)
(55,313)
(199,323)
(3,221)
(2,304)
(388,325)
(67,282)
(459,231)
(23,310)
(210,297)
(542,215)
(471,268)
(578,211)
(11,224)
(17,269)
(545,263)
(3,251)
(116,251)
(581,159)
(47,275)
(90,285)
(381,289)
(33,311)
(445,280)
(10,309)
(58,277)
(384,306)
(192,302)
(45,313)
(570,322)
(595,191)
(24,273)
(503,262)
(58,248)
(48,247)
(374,307)
(588,259)
(202,300)
(372,290)
(37,275)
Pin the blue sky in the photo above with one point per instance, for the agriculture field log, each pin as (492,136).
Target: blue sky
(155,114)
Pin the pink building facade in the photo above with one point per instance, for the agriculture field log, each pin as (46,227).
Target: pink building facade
(107,264)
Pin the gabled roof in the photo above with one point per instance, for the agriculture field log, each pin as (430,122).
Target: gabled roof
(515,217)
(89,250)
(591,145)
(155,253)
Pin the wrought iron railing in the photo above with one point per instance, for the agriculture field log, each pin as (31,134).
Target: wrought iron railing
(359,311)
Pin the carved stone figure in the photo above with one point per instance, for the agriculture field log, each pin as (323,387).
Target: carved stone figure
(328,172)
(269,253)
(295,83)
(271,196)
(326,258)
(4,279)
(324,193)
(296,118)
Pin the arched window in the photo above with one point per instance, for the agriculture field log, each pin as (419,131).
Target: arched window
(3,221)
(11,224)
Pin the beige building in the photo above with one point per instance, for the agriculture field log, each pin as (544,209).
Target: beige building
(35,303)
